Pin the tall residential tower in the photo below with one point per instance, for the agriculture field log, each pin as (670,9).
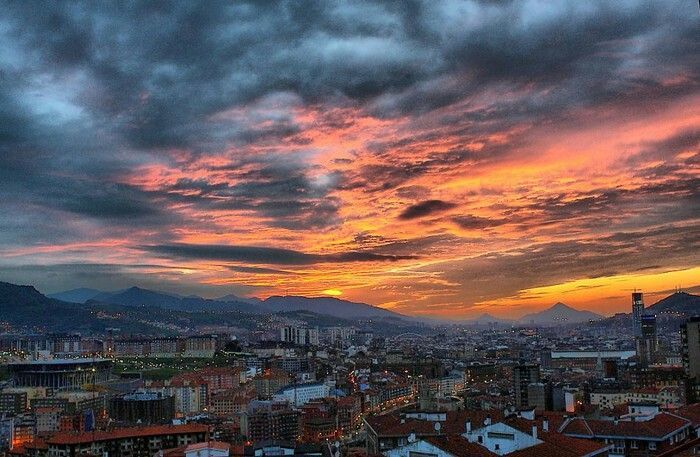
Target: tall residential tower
(637,311)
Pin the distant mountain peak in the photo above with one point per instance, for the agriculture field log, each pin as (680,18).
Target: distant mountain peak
(559,313)
(561,306)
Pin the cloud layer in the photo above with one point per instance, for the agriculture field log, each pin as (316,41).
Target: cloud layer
(433,157)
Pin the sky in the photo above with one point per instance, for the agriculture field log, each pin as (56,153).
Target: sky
(435,158)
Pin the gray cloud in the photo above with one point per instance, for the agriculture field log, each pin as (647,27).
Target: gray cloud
(91,91)
(265,255)
(425,208)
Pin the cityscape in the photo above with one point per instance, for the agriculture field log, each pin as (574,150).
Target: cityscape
(450,228)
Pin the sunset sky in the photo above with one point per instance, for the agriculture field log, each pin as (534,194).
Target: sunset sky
(442,159)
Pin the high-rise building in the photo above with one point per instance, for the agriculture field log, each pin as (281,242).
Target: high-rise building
(637,311)
(12,403)
(299,335)
(537,396)
(647,341)
(270,420)
(690,337)
(523,376)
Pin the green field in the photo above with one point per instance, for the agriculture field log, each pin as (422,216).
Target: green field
(165,368)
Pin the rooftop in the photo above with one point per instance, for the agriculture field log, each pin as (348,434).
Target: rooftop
(67,438)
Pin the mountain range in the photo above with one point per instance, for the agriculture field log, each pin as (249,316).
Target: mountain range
(137,296)
(76,309)
(146,312)
(24,306)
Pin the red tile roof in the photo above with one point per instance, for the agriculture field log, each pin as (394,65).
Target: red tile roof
(455,423)
(67,438)
(684,449)
(209,445)
(459,446)
(659,427)
(554,443)
(572,446)
(690,412)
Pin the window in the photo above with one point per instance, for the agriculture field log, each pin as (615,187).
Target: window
(501,436)
(652,445)
(619,446)
(633,444)
(480,439)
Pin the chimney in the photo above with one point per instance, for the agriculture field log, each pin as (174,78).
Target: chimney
(534,431)
(545,425)
(469,426)
(488,420)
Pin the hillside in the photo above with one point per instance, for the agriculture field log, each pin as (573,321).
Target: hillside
(80,295)
(679,302)
(327,305)
(141,312)
(559,314)
(137,296)
(25,307)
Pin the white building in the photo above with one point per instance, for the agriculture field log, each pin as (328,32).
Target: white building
(303,393)
(500,438)
(666,397)
(299,335)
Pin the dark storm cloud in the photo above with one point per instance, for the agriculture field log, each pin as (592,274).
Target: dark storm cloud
(276,188)
(425,208)
(264,255)
(260,270)
(163,68)
(90,91)
(399,166)
(156,72)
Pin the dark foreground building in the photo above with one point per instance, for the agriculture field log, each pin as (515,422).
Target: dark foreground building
(146,408)
(126,442)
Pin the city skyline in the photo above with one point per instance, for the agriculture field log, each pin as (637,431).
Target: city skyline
(468,158)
